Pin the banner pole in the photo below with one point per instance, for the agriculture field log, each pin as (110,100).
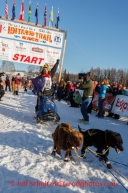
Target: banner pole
(63,53)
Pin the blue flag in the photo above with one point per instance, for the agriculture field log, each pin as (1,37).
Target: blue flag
(13,10)
(38,83)
(36,14)
(57,19)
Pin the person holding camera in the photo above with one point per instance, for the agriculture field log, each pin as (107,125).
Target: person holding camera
(87,87)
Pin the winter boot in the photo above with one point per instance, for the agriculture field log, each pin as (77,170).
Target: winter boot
(53,152)
(25,88)
(16,92)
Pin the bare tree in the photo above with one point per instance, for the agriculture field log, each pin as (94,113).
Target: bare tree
(31,68)
(7,66)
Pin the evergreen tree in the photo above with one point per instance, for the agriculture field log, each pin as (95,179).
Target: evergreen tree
(65,75)
(68,77)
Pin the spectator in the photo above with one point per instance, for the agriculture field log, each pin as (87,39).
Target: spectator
(7,83)
(114,89)
(108,87)
(54,89)
(90,105)
(78,86)
(119,92)
(77,99)
(70,98)
(69,91)
(67,88)
(120,89)
(17,84)
(2,92)
(26,84)
(95,84)
(97,88)
(102,95)
(61,88)
(23,81)
(88,88)
(13,84)
(125,91)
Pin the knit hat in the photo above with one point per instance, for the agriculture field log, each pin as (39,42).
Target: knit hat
(45,67)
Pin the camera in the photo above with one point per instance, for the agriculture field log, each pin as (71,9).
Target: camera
(82,75)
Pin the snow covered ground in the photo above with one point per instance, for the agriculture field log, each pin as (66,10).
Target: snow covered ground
(26,163)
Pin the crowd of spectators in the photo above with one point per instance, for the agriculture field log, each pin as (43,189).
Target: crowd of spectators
(70,92)
(66,90)
(13,84)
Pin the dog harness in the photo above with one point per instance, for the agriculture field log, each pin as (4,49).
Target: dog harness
(70,130)
(91,133)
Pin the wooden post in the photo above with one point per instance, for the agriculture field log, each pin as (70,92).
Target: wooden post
(63,53)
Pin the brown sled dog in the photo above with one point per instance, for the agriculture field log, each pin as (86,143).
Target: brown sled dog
(66,138)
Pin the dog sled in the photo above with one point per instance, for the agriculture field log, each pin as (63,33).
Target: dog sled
(46,109)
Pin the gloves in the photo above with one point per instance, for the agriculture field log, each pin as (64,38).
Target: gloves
(58,61)
(40,93)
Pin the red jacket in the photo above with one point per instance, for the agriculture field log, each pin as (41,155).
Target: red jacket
(70,87)
(17,80)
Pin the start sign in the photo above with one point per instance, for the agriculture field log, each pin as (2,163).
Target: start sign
(27,59)
(32,54)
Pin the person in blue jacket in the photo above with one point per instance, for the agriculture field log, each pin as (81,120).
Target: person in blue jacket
(102,94)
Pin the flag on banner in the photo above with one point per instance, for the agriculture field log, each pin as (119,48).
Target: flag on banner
(22,11)
(29,11)
(36,14)
(45,16)
(13,10)
(51,17)
(57,19)
(6,9)
(38,83)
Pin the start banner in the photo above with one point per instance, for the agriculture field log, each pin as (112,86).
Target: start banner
(31,34)
(26,53)
(120,106)
(108,102)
